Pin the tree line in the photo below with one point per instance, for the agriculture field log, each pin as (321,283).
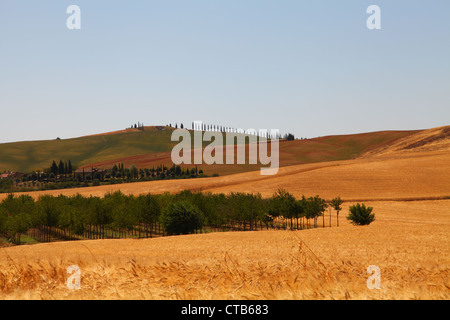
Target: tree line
(139,126)
(117,215)
(65,175)
(224,129)
(61,168)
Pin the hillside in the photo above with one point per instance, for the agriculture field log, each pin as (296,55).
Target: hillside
(414,175)
(330,148)
(436,139)
(322,149)
(409,177)
(31,155)
(153,146)
(408,188)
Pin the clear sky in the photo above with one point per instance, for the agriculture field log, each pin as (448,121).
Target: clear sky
(312,68)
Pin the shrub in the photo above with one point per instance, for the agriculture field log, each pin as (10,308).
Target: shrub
(181,218)
(361,215)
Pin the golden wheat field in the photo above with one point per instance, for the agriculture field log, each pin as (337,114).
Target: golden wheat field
(409,241)
(416,175)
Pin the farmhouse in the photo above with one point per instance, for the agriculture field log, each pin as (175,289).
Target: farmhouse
(11,175)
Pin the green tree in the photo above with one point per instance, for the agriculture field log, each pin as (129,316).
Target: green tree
(181,218)
(336,205)
(67,219)
(16,225)
(209,205)
(75,215)
(61,167)
(134,172)
(299,210)
(284,204)
(99,215)
(48,209)
(15,216)
(122,210)
(148,211)
(246,208)
(315,207)
(289,137)
(359,214)
(6,185)
(3,220)
(54,168)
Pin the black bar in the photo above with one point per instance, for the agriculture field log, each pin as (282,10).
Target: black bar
(229,309)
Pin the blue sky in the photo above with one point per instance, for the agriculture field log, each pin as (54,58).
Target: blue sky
(307,67)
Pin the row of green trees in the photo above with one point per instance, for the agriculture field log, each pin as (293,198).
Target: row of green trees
(218,128)
(65,170)
(161,171)
(62,176)
(118,215)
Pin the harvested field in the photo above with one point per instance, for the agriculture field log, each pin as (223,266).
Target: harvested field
(410,176)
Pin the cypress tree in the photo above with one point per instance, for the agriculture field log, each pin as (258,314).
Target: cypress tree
(54,168)
(61,167)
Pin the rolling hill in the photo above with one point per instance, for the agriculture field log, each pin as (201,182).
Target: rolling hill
(31,155)
(405,180)
(417,174)
(153,146)
(427,140)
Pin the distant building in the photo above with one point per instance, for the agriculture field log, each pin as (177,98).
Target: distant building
(11,175)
